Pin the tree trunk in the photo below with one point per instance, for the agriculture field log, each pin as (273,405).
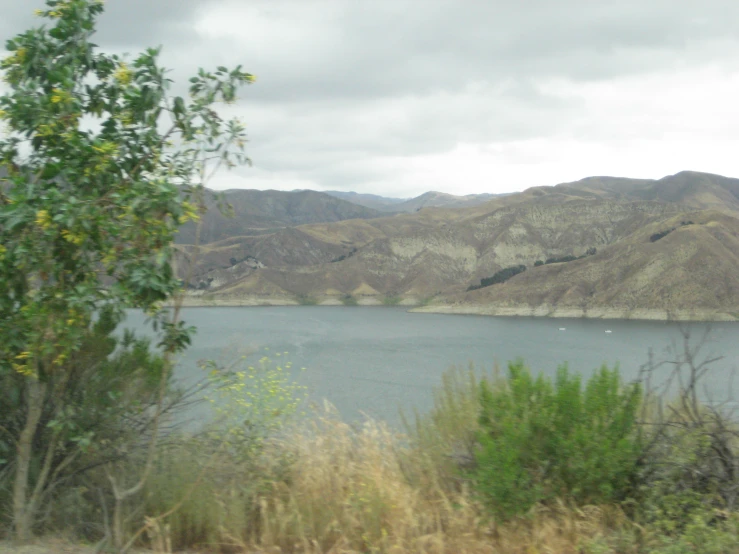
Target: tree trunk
(23,514)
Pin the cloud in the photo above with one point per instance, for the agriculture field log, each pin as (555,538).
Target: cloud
(401,96)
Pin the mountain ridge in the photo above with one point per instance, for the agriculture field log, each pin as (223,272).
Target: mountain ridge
(606,226)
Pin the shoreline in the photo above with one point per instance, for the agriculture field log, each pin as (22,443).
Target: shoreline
(554,312)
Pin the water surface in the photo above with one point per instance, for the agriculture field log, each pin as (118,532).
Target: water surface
(375,360)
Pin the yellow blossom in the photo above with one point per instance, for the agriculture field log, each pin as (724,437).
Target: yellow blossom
(123,74)
(69,236)
(23,369)
(43,219)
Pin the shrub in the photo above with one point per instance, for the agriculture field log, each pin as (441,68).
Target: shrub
(656,236)
(540,440)
(537,263)
(561,259)
(499,277)
(391,300)
(349,300)
(307,300)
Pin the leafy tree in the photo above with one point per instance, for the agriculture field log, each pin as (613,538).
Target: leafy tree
(103,166)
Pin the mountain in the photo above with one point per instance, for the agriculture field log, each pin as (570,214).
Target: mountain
(688,188)
(442,200)
(259,212)
(637,248)
(373,201)
(426,200)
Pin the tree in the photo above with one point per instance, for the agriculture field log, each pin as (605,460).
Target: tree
(103,166)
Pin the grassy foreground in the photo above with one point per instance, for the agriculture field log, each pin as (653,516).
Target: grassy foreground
(329,487)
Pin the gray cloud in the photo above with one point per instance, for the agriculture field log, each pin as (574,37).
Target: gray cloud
(348,90)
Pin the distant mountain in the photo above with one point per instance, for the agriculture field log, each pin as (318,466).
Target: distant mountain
(638,248)
(427,200)
(442,200)
(689,188)
(263,211)
(373,201)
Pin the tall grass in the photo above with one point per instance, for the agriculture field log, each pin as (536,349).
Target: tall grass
(331,487)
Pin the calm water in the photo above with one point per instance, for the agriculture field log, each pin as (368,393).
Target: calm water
(376,360)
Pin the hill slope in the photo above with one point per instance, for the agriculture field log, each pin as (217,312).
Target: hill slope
(257,212)
(436,254)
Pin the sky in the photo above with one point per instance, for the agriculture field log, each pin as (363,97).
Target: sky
(399,97)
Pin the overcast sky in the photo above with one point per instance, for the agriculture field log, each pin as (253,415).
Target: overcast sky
(398,97)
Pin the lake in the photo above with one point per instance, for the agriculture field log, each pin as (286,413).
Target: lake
(375,360)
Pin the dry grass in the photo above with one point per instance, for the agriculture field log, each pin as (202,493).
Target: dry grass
(357,490)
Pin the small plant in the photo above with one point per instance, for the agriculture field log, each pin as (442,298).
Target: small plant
(349,300)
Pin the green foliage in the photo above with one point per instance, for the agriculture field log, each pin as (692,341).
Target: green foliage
(656,236)
(349,300)
(499,277)
(102,166)
(87,215)
(563,259)
(251,401)
(541,440)
(706,532)
(391,300)
(220,473)
(307,300)
(537,263)
(98,416)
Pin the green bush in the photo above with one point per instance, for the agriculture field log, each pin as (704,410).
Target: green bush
(349,300)
(540,440)
(307,300)
(656,236)
(499,277)
(391,300)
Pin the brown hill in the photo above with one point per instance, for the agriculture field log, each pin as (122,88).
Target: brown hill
(438,253)
(693,268)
